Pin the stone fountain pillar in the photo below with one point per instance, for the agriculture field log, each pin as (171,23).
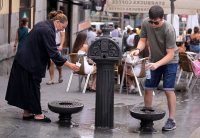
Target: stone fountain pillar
(105,51)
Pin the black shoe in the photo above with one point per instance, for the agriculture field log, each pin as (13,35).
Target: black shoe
(45,119)
(170,125)
(125,87)
(29,117)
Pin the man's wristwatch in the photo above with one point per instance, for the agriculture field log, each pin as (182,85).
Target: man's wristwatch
(14,46)
(138,49)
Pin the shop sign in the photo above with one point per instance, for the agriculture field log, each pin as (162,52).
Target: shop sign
(84,25)
(140,3)
(128,9)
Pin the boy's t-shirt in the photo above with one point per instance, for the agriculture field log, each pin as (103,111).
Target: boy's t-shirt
(160,39)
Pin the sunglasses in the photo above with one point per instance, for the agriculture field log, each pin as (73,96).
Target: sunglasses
(156,23)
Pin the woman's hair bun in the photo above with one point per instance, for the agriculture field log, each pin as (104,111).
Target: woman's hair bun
(60,11)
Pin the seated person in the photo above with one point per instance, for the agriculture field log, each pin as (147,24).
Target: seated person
(81,47)
(194,41)
(137,68)
(181,47)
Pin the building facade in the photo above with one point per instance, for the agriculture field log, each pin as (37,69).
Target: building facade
(11,13)
(78,19)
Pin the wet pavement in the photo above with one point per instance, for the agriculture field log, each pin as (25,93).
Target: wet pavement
(12,126)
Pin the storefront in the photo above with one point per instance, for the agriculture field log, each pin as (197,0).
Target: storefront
(78,17)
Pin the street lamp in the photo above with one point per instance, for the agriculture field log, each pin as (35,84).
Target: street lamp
(1,4)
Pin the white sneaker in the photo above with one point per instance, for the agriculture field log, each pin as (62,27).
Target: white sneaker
(131,88)
(136,90)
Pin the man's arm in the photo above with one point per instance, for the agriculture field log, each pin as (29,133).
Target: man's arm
(163,61)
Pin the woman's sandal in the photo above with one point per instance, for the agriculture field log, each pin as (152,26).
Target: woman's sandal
(60,79)
(87,88)
(92,90)
(29,117)
(45,119)
(50,83)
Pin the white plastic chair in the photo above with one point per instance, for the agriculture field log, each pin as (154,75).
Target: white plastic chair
(74,57)
(142,76)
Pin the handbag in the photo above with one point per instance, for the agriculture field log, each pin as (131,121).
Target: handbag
(195,68)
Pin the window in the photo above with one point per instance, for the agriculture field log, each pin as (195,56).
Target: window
(81,14)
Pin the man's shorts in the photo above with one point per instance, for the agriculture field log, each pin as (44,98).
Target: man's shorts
(169,76)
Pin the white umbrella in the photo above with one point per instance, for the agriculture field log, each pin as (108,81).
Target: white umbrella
(192,21)
(175,24)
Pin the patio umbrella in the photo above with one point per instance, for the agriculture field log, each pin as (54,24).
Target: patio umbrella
(192,21)
(175,23)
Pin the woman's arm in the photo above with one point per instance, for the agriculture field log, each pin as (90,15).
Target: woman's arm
(16,41)
(62,40)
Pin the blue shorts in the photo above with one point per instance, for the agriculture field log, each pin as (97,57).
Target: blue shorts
(169,76)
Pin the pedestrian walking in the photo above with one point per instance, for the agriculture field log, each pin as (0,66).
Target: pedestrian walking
(29,67)
(21,33)
(187,39)
(131,38)
(90,34)
(125,37)
(163,59)
(116,32)
(99,33)
(60,39)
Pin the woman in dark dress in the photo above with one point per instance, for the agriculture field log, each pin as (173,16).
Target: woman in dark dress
(30,64)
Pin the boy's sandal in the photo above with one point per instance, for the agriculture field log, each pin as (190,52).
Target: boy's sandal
(60,79)
(50,83)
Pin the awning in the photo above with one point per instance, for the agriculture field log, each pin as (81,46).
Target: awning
(75,2)
(108,8)
(188,7)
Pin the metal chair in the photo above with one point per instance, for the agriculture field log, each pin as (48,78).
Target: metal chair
(185,66)
(191,58)
(74,57)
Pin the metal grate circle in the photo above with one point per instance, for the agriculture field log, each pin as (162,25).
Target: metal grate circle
(147,110)
(65,104)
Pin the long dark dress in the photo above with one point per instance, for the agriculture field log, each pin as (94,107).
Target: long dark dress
(30,65)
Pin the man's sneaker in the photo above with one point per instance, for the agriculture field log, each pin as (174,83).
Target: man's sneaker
(131,88)
(170,125)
